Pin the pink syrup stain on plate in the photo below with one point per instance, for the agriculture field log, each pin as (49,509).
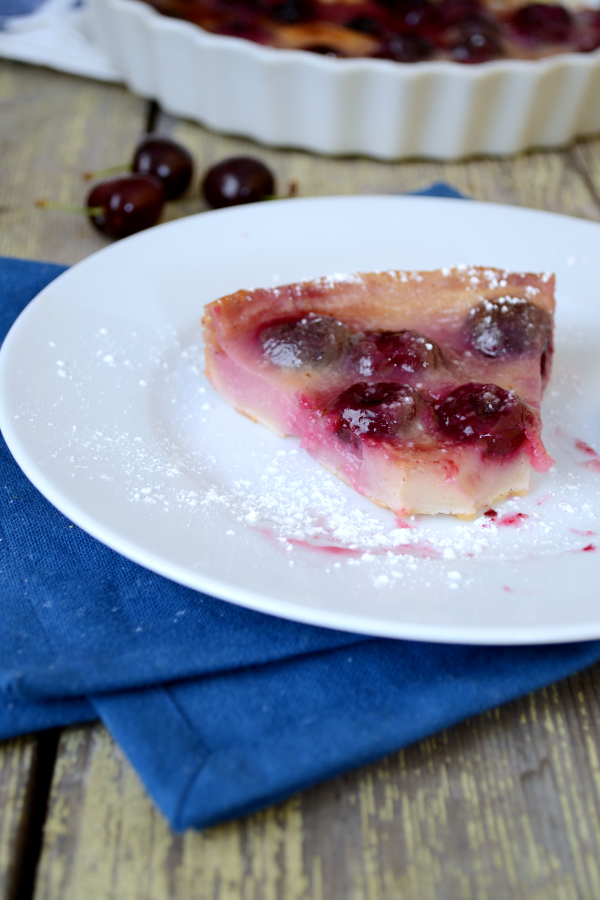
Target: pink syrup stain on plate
(592,464)
(420,551)
(512,519)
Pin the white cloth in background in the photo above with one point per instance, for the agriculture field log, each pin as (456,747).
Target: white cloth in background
(56,35)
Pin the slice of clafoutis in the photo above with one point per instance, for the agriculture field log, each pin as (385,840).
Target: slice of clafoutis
(421,390)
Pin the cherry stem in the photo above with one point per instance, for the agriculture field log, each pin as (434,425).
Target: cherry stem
(102,173)
(292,192)
(63,207)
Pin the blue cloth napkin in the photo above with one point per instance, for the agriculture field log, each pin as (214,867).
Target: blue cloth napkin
(10,8)
(220,709)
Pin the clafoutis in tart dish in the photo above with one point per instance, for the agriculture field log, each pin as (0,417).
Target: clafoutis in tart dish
(421,390)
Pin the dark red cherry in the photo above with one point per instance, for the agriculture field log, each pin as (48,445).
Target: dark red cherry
(509,327)
(239,19)
(394,353)
(313,341)
(542,23)
(129,203)
(291,12)
(324,50)
(406,351)
(166,160)
(365,25)
(475,39)
(454,11)
(377,410)
(485,414)
(239,179)
(408,47)
(589,34)
(421,16)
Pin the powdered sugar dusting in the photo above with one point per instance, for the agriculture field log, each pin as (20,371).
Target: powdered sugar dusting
(201,461)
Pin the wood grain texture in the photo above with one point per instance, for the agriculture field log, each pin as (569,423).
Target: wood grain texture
(17,766)
(586,157)
(54,127)
(504,805)
(545,180)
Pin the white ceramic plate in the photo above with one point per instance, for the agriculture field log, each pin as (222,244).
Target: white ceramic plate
(104,405)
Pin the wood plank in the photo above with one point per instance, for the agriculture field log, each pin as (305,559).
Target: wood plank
(543,180)
(54,128)
(586,157)
(504,805)
(17,771)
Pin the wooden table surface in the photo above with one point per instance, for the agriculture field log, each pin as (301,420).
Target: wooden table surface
(506,805)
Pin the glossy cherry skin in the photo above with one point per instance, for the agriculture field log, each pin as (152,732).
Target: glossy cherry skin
(291,12)
(130,204)
(166,160)
(237,180)
(313,341)
(379,410)
(476,40)
(408,47)
(406,351)
(507,327)
(394,354)
(365,25)
(484,414)
(542,23)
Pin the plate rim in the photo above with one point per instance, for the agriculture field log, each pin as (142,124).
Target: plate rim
(250,599)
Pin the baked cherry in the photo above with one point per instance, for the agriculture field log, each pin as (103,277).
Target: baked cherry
(378,410)
(486,414)
(237,180)
(239,19)
(509,327)
(291,12)
(365,25)
(166,160)
(312,341)
(394,353)
(126,205)
(589,34)
(542,23)
(407,351)
(408,48)
(475,39)
(324,50)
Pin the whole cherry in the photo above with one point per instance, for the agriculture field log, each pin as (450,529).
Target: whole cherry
(125,205)
(166,160)
(237,180)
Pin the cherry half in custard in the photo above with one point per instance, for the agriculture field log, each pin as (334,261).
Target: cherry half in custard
(392,354)
(484,414)
(509,327)
(313,341)
(542,23)
(375,410)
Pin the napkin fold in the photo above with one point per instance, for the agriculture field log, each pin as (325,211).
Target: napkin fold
(54,33)
(222,710)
